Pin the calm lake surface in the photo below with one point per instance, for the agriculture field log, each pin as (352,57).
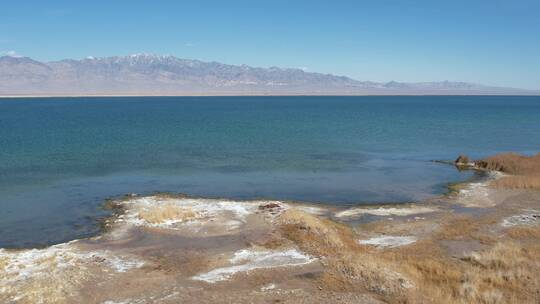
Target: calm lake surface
(61,157)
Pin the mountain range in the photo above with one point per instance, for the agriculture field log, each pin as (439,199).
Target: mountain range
(144,74)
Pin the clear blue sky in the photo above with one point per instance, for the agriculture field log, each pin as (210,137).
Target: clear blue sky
(492,42)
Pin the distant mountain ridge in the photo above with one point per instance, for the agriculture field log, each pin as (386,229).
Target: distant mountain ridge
(144,74)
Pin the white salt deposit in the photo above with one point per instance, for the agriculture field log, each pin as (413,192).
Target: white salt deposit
(475,195)
(24,264)
(122,264)
(532,217)
(268,287)
(385,211)
(389,241)
(312,210)
(48,275)
(247,259)
(233,213)
(478,194)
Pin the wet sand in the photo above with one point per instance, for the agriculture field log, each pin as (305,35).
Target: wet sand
(176,249)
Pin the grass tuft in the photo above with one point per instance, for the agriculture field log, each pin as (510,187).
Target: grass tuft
(163,213)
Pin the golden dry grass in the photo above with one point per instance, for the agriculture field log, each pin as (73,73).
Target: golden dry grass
(517,182)
(422,272)
(348,266)
(512,163)
(458,227)
(507,273)
(525,170)
(437,279)
(522,233)
(165,212)
(312,231)
(455,227)
(3,263)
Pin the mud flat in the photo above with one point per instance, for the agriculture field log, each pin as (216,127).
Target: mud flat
(477,244)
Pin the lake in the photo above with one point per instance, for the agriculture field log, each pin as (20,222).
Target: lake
(60,158)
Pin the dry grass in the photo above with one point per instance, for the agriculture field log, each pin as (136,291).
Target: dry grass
(165,212)
(3,263)
(522,233)
(525,170)
(459,227)
(348,266)
(517,182)
(456,227)
(507,273)
(512,163)
(314,232)
(420,273)
(437,279)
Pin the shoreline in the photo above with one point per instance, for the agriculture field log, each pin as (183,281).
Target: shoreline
(111,204)
(115,205)
(168,248)
(97,214)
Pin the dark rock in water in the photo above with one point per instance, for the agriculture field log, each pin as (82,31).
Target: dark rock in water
(463,160)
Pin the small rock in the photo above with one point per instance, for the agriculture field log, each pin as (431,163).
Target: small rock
(463,161)
(269,206)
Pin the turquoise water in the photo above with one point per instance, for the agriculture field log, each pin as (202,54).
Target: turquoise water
(61,157)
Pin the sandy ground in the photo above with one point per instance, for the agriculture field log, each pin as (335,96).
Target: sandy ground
(175,249)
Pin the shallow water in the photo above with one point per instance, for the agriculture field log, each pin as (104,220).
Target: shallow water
(61,157)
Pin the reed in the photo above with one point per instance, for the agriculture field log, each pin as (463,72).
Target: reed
(512,163)
(524,170)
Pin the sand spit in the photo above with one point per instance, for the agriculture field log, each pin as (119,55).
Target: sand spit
(56,274)
(246,260)
(478,194)
(475,195)
(194,215)
(385,211)
(389,241)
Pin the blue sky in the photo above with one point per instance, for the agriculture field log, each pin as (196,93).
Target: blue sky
(491,42)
